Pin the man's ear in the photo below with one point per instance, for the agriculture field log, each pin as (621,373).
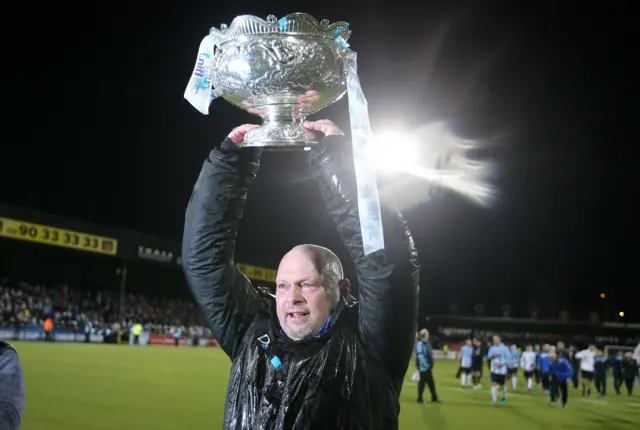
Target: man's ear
(345,293)
(345,288)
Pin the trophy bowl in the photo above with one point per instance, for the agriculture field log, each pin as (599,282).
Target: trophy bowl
(281,70)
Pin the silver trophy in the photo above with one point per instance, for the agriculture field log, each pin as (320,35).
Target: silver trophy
(282,70)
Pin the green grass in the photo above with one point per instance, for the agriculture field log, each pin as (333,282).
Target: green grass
(95,387)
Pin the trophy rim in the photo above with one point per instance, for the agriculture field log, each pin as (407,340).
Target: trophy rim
(314,36)
(252,25)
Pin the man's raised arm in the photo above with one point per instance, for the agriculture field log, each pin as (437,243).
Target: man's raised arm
(387,279)
(226,297)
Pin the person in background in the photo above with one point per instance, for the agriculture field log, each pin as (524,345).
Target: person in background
(629,371)
(416,375)
(528,364)
(466,357)
(600,367)
(136,330)
(587,359)
(12,389)
(87,331)
(177,334)
(48,330)
(488,347)
(536,372)
(562,372)
(425,361)
(512,368)
(500,357)
(616,365)
(476,363)
(575,365)
(544,368)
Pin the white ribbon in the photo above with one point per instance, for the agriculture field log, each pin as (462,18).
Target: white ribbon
(199,91)
(368,198)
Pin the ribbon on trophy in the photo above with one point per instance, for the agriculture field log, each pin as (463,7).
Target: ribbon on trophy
(361,138)
(199,90)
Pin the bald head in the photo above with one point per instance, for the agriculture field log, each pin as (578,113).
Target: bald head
(308,289)
(325,261)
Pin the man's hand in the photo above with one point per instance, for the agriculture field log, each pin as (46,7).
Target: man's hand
(324,126)
(237,134)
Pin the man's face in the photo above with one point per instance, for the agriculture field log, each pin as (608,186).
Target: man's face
(496,340)
(302,304)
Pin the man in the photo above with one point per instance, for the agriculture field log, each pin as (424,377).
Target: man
(616,365)
(512,368)
(575,365)
(562,371)
(304,357)
(466,357)
(587,359)
(544,368)
(416,375)
(528,364)
(12,389)
(600,367)
(536,372)
(629,371)
(425,362)
(500,357)
(476,363)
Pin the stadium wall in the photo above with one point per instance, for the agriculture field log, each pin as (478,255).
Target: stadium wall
(37,335)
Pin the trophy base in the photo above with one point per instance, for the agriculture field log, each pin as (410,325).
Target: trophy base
(280,137)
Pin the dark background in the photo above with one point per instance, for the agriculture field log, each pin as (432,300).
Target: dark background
(97,129)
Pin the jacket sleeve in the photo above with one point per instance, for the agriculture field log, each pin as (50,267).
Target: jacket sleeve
(12,390)
(387,279)
(226,297)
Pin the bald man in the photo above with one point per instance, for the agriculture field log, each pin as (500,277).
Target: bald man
(307,356)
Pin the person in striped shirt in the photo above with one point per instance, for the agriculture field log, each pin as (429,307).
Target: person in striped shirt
(466,357)
(512,367)
(500,356)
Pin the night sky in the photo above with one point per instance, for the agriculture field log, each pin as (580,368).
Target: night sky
(99,131)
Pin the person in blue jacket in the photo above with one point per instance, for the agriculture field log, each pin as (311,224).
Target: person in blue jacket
(424,356)
(544,368)
(562,372)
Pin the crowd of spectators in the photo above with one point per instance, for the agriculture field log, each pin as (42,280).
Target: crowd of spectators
(28,305)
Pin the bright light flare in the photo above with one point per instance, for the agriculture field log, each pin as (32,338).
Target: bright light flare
(434,154)
(394,152)
(621,314)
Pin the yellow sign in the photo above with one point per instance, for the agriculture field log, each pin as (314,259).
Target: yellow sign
(30,232)
(258,273)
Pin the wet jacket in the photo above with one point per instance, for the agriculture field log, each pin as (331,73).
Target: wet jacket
(12,389)
(349,376)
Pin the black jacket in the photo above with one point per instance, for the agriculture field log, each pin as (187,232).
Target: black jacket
(629,368)
(350,376)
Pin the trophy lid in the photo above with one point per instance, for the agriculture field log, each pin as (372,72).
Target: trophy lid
(293,24)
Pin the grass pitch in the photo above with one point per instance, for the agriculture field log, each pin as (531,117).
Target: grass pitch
(108,387)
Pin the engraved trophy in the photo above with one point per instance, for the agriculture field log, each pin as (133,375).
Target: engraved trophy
(283,70)
(280,69)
